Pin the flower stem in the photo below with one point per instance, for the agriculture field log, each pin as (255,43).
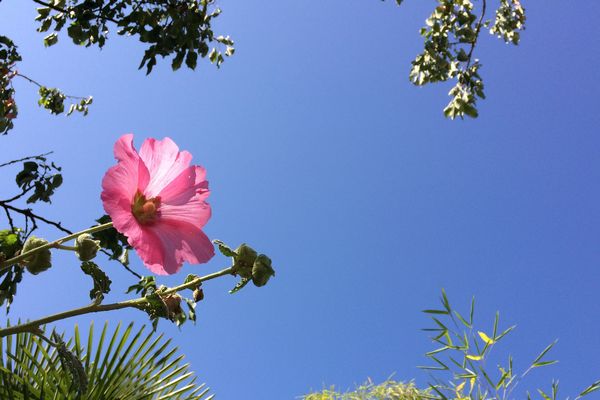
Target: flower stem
(139,303)
(8,263)
(63,247)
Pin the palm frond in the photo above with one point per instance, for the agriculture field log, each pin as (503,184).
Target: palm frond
(124,364)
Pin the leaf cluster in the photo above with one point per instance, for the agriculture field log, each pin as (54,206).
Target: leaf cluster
(510,20)
(179,29)
(160,305)
(450,36)
(53,100)
(41,177)
(8,108)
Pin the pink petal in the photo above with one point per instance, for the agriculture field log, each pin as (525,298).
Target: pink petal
(134,174)
(164,247)
(164,162)
(190,183)
(196,213)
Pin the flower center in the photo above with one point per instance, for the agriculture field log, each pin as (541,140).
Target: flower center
(145,210)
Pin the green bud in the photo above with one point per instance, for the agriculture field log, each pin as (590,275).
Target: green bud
(262,270)
(86,246)
(40,260)
(243,262)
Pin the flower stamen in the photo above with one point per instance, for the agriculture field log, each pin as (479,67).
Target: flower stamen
(145,210)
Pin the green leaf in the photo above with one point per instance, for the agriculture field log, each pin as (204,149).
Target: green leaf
(543,353)
(100,279)
(590,389)
(240,285)
(224,249)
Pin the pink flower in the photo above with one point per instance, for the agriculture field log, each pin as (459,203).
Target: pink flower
(157,200)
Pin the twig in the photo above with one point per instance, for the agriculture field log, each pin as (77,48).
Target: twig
(68,96)
(479,25)
(30,214)
(25,159)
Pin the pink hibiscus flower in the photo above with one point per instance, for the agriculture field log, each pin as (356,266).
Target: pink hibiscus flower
(157,200)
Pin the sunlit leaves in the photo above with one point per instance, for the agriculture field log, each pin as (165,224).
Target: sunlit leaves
(388,390)
(510,20)
(465,357)
(450,36)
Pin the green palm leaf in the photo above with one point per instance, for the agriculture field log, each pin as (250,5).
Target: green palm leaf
(120,365)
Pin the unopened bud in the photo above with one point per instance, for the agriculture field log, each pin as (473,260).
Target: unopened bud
(87,247)
(198,295)
(39,261)
(262,270)
(244,261)
(173,303)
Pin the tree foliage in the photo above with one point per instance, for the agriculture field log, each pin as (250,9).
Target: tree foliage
(450,37)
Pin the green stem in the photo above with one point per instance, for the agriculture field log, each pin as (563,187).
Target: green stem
(139,303)
(8,263)
(63,247)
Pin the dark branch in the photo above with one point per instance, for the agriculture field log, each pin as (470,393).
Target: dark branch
(30,215)
(25,159)
(477,30)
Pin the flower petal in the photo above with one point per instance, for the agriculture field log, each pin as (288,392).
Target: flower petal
(164,162)
(190,183)
(134,174)
(165,246)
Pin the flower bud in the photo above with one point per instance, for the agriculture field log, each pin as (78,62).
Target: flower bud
(244,261)
(86,246)
(262,270)
(198,294)
(39,261)
(173,303)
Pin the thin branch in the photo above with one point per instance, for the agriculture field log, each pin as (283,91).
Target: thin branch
(18,196)
(10,220)
(25,159)
(68,96)
(479,25)
(139,303)
(126,267)
(30,214)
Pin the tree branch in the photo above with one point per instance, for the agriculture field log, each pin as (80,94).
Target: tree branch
(30,214)
(477,30)
(139,303)
(8,263)
(25,159)
(68,96)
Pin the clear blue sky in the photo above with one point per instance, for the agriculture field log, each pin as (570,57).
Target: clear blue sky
(320,153)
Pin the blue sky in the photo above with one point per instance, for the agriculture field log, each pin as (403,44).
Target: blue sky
(321,154)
